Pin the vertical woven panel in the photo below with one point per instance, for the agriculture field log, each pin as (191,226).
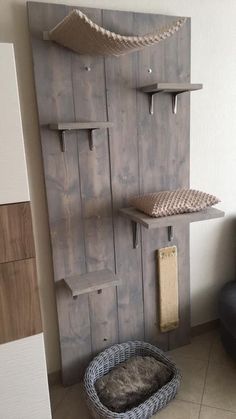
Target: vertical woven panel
(168,286)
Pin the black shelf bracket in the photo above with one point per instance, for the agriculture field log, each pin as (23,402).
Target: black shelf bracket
(63,140)
(135,234)
(170,231)
(90,139)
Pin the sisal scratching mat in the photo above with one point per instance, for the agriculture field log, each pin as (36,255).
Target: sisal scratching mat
(80,34)
(168,288)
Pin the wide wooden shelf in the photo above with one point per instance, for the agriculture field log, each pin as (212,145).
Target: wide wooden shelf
(171,87)
(92,281)
(172,220)
(175,89)
(67,126)
(63,127)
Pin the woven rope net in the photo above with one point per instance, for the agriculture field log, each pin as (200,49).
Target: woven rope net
(78,33)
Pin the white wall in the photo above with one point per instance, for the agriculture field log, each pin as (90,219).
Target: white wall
(213,147)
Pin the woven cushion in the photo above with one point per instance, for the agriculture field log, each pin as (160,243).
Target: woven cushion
(80,34)
(180,201)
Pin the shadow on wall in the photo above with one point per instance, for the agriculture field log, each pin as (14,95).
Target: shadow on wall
(215,247)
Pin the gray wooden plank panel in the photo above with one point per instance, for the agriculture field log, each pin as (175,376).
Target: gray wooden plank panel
(152,156)
(121,101)
(159,158)
(90,105)
(54,89)
(181,335)
(85,190)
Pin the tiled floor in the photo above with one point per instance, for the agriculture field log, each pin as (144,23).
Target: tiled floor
(208,388)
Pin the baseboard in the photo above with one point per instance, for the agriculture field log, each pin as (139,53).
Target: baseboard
(205,327)
(55,377)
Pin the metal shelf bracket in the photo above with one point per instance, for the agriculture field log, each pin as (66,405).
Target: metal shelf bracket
(90,139)
(135,234)
(63,140)
(170,231)
(151,103)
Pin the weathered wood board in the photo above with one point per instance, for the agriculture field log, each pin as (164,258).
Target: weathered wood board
(86,189)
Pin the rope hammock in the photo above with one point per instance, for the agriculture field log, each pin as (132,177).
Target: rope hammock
(80,34)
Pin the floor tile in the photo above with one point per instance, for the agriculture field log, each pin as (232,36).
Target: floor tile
(193,378)
(199,348)
(211,413)
(73,405)
(57,395)
(179,409)
(218,353)
(220,389)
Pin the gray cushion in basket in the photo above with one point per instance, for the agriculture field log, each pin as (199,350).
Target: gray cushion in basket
(132,382)
(110,358)
(161,204)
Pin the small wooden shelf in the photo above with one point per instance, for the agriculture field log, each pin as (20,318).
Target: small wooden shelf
(137,217)
(63,127)
(174,89)
(92,281)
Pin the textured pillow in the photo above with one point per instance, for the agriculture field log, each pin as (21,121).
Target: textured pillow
(161,204)
(131,383)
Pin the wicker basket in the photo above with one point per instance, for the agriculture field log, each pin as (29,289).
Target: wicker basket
(108,359)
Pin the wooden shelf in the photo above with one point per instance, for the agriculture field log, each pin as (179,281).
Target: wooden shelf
(174,89)
(137,217)
(63,127)
(92,281)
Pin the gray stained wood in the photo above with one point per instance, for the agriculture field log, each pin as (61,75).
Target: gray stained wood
(93,281)
(85,190)
(89,90)
(19,300)
(121,85)
(171,87)
(80,125)
(163,140)
(54,89)
(171,220)
(16,232)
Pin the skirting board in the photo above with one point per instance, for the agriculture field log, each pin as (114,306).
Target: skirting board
(55,376)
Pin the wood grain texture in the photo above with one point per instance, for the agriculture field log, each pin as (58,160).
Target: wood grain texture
(62,177)
(171,87)
(93,281)
(16,232)
(164,154)
(121,104)
(19,300)
(170,220)
(80,125)
(85,190)
(96,191)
